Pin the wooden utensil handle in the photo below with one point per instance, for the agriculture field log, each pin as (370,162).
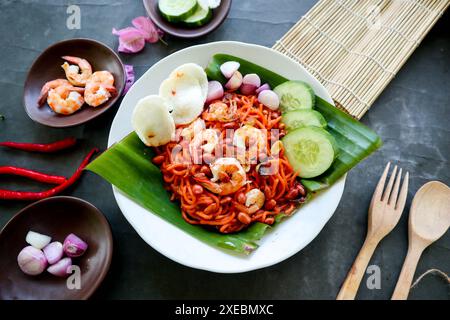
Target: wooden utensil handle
(351,284)
(407,274)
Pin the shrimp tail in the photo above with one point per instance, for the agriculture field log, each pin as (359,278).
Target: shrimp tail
(42,98)
(71,59)
(111,89)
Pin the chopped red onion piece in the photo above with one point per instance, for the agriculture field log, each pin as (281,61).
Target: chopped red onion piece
(59,269)
(265,86)
(53,252)
(130,78)
(74,246)
(215,91)
(235,81)
(229,68)
(37,240)
(250,83)
(270,99)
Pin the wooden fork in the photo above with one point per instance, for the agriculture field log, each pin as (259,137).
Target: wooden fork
(384,213)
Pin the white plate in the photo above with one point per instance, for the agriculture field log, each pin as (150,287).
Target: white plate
(285,239)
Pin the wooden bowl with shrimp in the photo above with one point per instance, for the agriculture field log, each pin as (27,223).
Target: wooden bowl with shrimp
(47,67)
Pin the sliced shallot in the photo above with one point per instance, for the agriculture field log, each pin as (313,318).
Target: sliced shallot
(215,91)
(270,99)
(53,252)
(37,240)
(235,81)
(265,86)
(59,269)
(74,246)
(250,83)
(229,68)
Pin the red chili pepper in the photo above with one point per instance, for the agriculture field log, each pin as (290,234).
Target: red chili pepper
(34,175)
(20,195)
(36,147)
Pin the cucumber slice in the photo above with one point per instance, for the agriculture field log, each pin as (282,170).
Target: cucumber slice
(177,10)
(310,151)
(295,95)
(199,18)
(303,118)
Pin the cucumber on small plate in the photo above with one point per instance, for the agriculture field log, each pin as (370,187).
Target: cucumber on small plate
(177,10)
(310,150)
(295,95)
(200,17)
(303,118)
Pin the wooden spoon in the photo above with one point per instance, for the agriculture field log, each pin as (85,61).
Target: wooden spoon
(429,219)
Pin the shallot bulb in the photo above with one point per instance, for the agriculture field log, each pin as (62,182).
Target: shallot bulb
(215,91)
(37,240)
(250,83)
(229,68)
(59,269)
(74,246)
(32,261)
(235,81)
(53,252)
(270,99)
(265,86)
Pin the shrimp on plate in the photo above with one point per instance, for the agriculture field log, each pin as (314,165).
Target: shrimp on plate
(255,199)
(219,111)
(63,100)
(79,72)
(99,88)
(104,77)
(228,177)
(53,85)
(98,93)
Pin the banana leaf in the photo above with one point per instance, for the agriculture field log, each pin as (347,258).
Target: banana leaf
(127,165)
(355,140)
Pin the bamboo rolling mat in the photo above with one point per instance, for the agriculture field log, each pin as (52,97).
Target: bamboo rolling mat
(355,47)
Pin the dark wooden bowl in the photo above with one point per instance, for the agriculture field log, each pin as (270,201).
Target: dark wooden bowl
(48,67)
(55,217)
(219,15)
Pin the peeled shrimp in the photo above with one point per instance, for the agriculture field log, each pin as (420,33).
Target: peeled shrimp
(73,71)
(63,100)
(205,140)
(53,85)
(99,88)
(219,111)
(98,93)
(250,142)
(104,77)
(194,128)
(254,200)
(228,177)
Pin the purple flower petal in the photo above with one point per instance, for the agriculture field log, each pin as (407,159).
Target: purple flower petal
(130,78)
(148,28)
(131,40)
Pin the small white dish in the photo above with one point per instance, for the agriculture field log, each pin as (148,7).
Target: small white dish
(286,238)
